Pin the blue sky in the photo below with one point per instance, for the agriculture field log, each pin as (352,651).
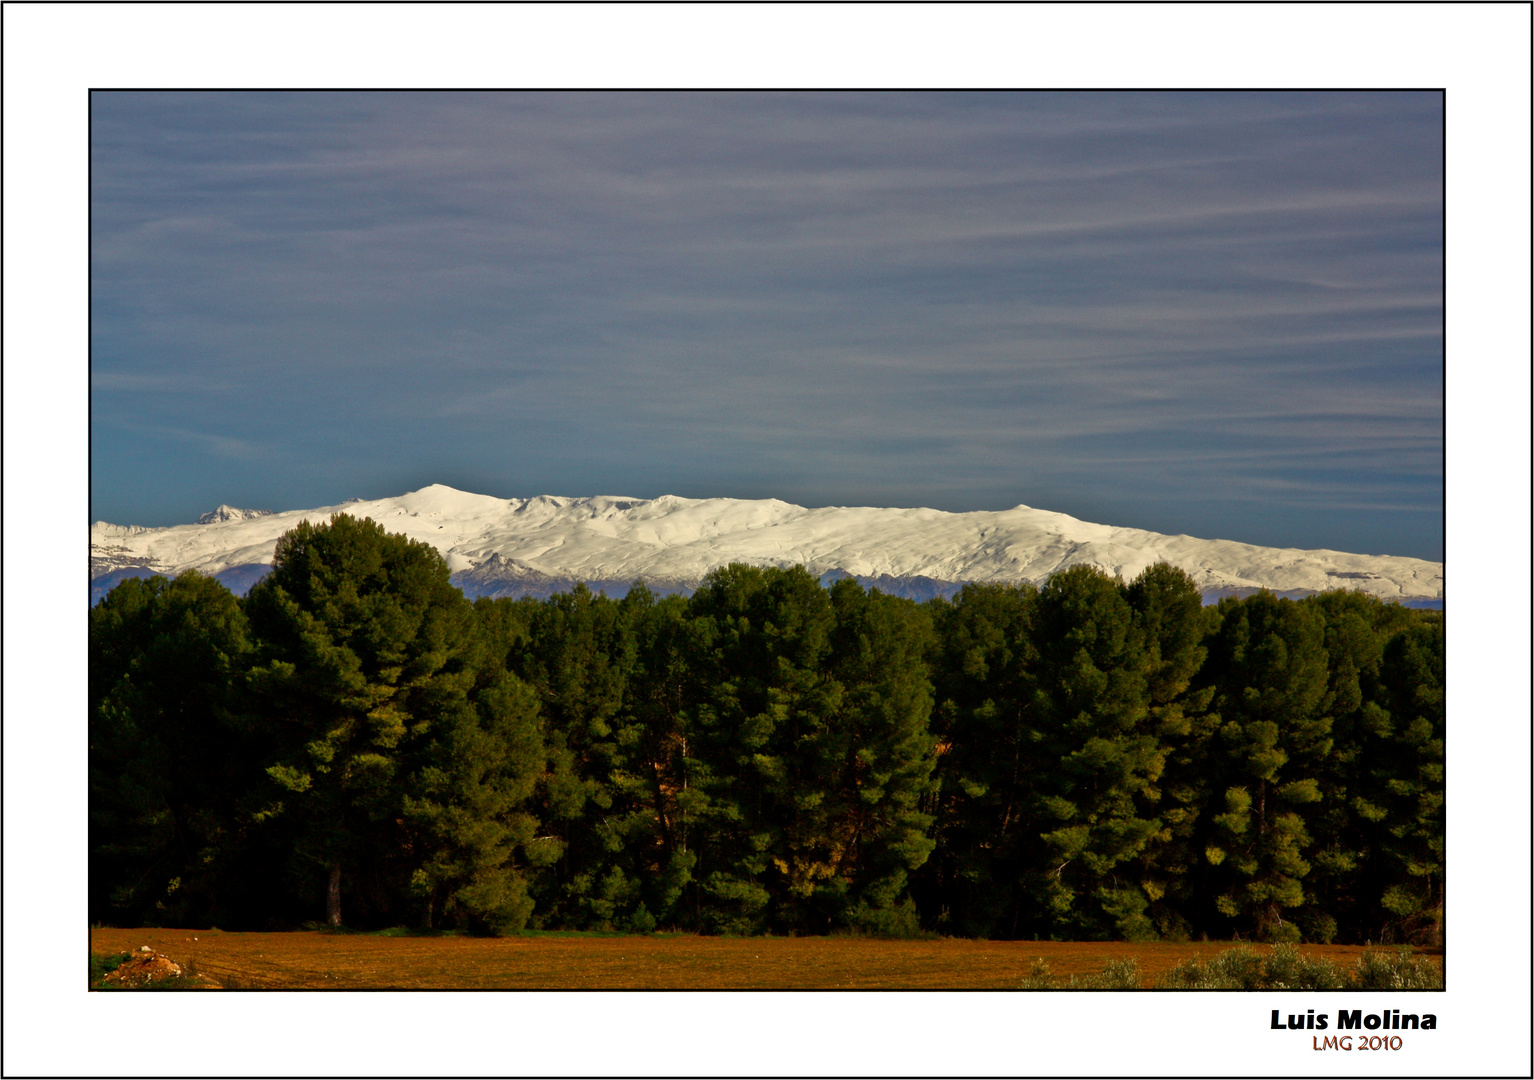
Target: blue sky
(1218,314)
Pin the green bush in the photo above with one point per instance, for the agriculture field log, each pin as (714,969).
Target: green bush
(1123,974)
(1234,969)
(1117,975)
(1395,971)
(895,922)
(1242,969)
(1039,976)
(1286,968)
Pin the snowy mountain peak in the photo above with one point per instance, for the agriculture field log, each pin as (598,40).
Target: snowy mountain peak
(532,546)
(230,513)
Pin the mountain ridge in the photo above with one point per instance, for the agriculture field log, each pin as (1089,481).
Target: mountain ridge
(546,543)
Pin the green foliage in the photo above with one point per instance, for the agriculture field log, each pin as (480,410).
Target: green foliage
(1408,785)
(397,767)
(1117,975)
(1240,968)
(465,810)
(1286,968)
(102,965)
(335,636)
(812,719)
(1039,977)
(1234,969)
(1096,758)
(622,800)
(1395,970)
(1268,668)
(1121,974)
(983,662)
(1089,760)
(169,750)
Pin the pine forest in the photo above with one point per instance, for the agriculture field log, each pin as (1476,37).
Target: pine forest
(354,742)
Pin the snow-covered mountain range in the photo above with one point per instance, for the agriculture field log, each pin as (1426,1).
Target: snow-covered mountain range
(542,545)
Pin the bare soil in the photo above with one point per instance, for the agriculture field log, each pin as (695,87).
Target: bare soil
(341,961)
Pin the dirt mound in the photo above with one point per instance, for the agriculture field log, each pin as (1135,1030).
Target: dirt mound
(144,966)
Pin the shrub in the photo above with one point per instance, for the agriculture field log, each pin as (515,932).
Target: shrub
(1395,971)
(1123,974)
(1192,974)
(896,922)
(1234,969)
(1039,976)
(1117,975)
(1286,968)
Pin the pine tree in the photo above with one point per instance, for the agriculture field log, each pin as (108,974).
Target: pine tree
(983,671)
(1173,625)
(762,732)
(1411,785)
(1096,760)
(468,809)
(168,751)
(1343,855)
(580,654)
(1268,665)
(366,657)
(878,755)
(652,781)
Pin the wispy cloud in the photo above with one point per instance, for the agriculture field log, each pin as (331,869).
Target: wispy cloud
(910,298)
(112,431)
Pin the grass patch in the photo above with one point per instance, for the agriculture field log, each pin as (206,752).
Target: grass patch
(1283,967)
(406,931)
(417,932)
(102,965)
(555,935)
(387,932)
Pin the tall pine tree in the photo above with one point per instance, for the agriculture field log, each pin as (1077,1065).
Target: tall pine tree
(170,748)
(1096,760)
(366,657)
(1269,668)
(984,665)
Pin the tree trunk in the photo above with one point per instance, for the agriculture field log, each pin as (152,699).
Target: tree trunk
(333,896)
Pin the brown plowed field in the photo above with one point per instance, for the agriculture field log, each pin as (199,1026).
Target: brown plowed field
(321,960)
